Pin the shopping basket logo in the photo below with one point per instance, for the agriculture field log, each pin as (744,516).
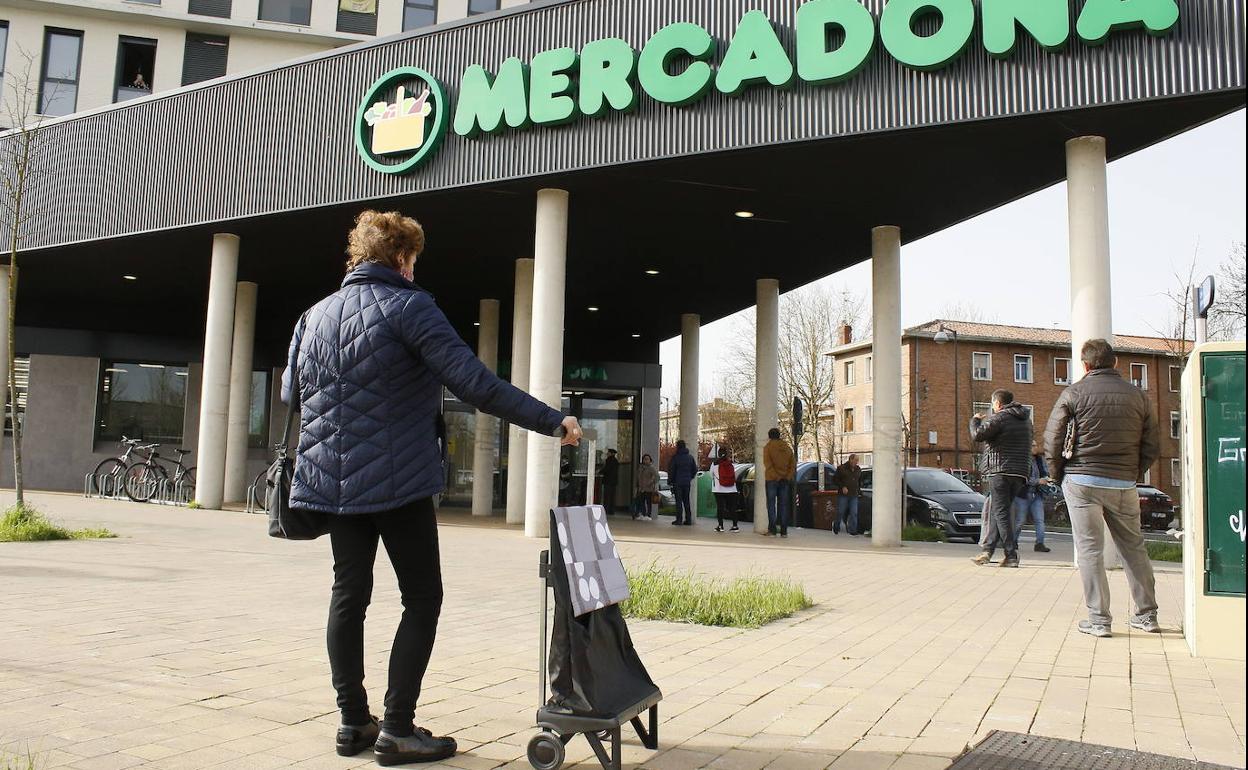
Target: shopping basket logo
(402,121)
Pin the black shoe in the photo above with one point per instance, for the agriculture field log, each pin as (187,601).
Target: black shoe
(420,747)
(352,739)
(1009,562)
(720,528)
(676,523)
(836,530)
(1042,548)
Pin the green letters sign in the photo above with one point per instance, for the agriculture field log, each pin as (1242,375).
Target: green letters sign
(835,39)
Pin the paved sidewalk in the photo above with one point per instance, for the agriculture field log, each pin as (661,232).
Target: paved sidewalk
(194,641)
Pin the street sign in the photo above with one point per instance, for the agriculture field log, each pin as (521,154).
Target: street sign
(1204,297)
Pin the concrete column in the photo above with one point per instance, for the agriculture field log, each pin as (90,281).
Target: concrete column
(546,354)
(766,388)
(690,328)
(887,440)
(239,420)
(4,343)
(214,401)
(1091,310)
(521,340)
(486,425)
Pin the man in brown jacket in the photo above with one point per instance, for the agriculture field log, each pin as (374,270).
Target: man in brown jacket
(1101,438)
(779,463)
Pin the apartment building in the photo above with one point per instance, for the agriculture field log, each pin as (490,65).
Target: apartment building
(951,368)
(73,55)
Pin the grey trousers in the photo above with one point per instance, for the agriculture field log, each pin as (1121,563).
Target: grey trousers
(1119,509)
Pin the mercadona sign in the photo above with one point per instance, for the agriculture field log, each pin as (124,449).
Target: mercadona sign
(682,62)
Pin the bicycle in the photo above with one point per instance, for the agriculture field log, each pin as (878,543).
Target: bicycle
(143,479)
(116,466)
(258,492)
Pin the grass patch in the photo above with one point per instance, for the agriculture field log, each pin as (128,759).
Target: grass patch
(663,593)
(922,534)
(1162,551)
(17,761)
(24,524)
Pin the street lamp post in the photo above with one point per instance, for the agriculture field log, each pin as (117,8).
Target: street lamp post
(943,336)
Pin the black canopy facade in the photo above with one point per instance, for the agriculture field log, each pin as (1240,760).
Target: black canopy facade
(139,188)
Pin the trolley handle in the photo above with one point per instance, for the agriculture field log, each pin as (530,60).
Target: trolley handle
(543,571)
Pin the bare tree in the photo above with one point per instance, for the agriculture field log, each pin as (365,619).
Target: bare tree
(1178,330)
(19,150)
(1227,318)
(809,319)
(967,311)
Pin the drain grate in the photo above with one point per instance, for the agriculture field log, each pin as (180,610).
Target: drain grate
(1015,751)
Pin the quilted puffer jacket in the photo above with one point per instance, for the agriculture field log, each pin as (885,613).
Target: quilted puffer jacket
(1007,441)
(372,360)
(1116,435)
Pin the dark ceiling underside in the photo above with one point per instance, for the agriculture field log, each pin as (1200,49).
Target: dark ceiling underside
(816,204)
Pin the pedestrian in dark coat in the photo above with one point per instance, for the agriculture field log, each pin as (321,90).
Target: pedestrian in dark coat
(682,469)
(1007,463)
(371,361)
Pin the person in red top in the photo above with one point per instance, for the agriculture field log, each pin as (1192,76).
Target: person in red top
(725,489)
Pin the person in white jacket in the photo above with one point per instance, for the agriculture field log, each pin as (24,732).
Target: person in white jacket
(724,485)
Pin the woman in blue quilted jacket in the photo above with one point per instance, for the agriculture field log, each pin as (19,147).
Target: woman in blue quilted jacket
(371,361)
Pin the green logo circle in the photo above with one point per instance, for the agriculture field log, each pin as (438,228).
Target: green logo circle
(402,121)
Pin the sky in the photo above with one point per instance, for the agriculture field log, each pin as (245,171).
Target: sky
(1179,198)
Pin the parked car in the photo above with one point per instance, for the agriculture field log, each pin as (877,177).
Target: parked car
(807,482)
(933,498)
(1157,509)
(667,498)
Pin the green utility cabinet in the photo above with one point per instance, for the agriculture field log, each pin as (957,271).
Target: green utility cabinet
(1213,469)
(1222,410)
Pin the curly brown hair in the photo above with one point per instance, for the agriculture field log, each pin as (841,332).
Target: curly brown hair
(386,239)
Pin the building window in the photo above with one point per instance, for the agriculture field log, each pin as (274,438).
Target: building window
(136,64)
(481,6)
(419,13)
(287,11)
(870,368)
(146,401)
(1022,368)
(1175,424)
(868,419)
(1176,472)
(981,366)
(1176,378)
(1139,376)
(218,8)
(258,413)
(205,57)
(849,372)
(4,48)
(21,376)
(62,60)
(1061,371)
(847,421)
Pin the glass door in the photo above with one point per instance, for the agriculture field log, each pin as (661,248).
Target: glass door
(612,417)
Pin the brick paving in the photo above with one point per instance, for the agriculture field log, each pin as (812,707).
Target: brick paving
(194,641)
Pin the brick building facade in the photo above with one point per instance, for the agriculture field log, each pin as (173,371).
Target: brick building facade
(1035,364)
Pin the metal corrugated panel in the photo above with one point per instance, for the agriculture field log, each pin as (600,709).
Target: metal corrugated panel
(282,139)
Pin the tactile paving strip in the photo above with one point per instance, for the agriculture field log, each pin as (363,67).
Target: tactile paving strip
(1015,751)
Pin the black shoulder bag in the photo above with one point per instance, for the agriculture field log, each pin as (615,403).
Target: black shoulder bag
(285,522)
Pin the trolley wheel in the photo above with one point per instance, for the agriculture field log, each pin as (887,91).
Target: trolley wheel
(546,751)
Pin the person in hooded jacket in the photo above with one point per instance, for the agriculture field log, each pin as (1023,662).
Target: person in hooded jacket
(368,365)
(1007,437)
(681,471)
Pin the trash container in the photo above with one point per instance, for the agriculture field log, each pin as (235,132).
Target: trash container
(823,509)
(706,496)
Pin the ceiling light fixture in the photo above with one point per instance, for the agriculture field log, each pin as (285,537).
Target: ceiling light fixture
(636,336)
(593,309)
(131,277)
(745,214)
(652,272)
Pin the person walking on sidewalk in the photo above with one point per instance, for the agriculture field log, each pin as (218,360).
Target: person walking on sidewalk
(780,464)
(372,361)
(1101,438)
(1007,458)
(681,471)
(725,488)
(647,488)
(847,479)
(1031,501)
(610,480)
